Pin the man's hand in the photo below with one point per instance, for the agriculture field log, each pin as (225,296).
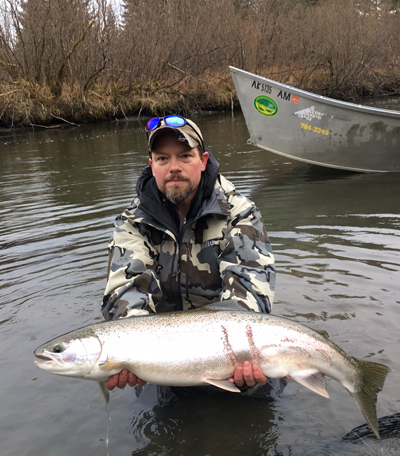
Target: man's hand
(249,374)
(122,379)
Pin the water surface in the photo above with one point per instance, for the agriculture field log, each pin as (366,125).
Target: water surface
(336,237)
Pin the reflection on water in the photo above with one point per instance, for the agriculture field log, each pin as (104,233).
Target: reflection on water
(335,235)
(204,424)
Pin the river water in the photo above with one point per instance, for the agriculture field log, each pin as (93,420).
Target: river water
(336,237)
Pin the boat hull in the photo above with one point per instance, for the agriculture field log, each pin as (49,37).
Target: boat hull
(318,130)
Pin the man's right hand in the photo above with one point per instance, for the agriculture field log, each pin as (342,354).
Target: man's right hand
(122,379)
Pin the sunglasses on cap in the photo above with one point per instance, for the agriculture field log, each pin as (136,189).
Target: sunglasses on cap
(173,122)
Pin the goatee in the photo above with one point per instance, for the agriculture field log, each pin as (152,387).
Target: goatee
(176,195)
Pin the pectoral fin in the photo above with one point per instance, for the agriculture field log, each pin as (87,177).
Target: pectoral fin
(104,391)
(109,365)
(313,380)
(223,384)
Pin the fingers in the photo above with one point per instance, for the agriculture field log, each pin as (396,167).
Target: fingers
(259,376)
(140,381)
(238,378)
(249,374)
(112,382)
(132,379)
(122,379)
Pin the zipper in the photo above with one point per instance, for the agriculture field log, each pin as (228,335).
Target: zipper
(187,274)
(181,235)
(178,242)
(172,273)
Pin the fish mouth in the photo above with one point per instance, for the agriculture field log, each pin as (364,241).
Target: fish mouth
(42,357)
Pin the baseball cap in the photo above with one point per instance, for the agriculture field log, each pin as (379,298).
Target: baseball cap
(186,129)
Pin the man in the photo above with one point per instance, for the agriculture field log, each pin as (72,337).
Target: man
(187,239)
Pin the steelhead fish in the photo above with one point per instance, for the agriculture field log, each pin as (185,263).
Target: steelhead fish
(204,346)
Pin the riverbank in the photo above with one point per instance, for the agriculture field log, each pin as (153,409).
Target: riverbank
(23,104)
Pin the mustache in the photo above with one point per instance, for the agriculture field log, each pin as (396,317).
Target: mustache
(173,176)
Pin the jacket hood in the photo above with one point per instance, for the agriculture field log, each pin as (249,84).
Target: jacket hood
(152,201)
(146,181)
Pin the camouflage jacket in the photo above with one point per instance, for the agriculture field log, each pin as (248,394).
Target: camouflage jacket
(157,263)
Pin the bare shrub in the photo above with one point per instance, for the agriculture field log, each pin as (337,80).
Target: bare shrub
(345,40)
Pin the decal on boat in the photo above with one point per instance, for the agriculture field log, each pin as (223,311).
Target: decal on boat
(265,105)
(309,114)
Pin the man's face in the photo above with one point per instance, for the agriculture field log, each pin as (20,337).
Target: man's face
(176,167)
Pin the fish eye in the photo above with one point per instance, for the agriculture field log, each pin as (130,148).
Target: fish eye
(58,348)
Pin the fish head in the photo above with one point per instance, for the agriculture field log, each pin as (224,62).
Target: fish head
(74,354)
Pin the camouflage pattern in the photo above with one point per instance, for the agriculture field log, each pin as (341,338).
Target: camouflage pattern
(223,254)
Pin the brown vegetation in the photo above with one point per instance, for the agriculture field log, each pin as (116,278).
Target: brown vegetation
(83,60)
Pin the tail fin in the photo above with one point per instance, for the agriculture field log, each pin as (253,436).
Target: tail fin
(373,378)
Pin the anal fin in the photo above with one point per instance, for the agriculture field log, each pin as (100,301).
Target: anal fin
(313,380)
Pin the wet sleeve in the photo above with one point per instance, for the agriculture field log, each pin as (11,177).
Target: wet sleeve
(247,264)
(132,286)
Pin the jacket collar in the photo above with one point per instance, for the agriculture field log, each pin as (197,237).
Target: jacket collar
(152,201)
(146,184)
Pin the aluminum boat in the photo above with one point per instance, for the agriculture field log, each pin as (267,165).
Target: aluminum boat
(311,128)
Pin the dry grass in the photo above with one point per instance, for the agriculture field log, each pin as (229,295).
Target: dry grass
(27,105)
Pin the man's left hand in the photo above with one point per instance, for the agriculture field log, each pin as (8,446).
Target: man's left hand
(249,374)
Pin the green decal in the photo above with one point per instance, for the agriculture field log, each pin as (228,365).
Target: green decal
(265,105)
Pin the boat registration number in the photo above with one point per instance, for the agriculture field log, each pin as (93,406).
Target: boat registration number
(318,130)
